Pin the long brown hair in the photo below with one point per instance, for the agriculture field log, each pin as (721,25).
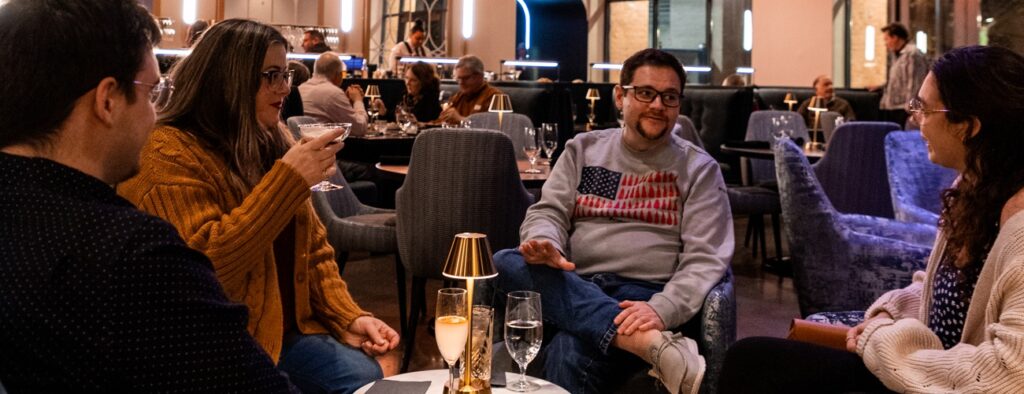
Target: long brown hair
(987,84)
(215,98)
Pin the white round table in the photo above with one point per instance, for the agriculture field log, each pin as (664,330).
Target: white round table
(438,378)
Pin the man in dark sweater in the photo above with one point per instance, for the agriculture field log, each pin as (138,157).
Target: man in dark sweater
(96,296)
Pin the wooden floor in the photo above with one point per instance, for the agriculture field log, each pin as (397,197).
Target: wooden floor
(765,303)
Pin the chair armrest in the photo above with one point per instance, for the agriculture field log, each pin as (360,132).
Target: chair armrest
(916,214)
(914,233)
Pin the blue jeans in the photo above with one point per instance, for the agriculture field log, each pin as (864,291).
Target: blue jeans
(321,364)
(579,357)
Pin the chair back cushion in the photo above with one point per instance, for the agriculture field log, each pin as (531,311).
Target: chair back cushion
(512,125)
(295,121)
(915,183)
(458,181)
(853,172)
(761,127)
(686,130)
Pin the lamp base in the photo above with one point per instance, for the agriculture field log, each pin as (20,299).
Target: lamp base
(477,386)
(813,146)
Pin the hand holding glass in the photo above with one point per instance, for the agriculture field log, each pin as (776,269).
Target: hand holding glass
(313,130)
(451,327)
(531,149)
(524,331)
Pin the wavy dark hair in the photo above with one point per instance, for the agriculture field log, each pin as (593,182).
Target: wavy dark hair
(427,77)
(215,98)
(987,84)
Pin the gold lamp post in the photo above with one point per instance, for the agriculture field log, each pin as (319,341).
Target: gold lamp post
(500,103)
(470,258)
(790,99)
(818,106)
(592,95)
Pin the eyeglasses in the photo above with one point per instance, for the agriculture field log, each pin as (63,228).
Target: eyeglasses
(277,77)
(646,94)
(915,107)
(157,89)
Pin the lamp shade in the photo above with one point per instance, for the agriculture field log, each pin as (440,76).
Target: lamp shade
(500,103)
(593,94)
(469,258)
(372,91)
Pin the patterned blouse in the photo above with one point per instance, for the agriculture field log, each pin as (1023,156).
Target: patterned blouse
(951,297)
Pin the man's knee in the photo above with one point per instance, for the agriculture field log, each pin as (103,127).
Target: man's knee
(507,260)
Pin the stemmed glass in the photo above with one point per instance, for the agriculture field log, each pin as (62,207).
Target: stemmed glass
(550,138)
(313,130)
(372,94)
(406,120)
(531,149)
(451,328)
(524,331)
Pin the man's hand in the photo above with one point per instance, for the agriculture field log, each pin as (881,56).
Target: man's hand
(355,93)
(371,335)
(637,316)
(853,334)
(543,252)
(450,115)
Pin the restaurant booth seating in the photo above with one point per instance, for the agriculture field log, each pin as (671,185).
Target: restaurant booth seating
(841,262)
(458,181)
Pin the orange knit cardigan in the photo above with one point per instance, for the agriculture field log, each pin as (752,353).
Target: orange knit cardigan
(186,184)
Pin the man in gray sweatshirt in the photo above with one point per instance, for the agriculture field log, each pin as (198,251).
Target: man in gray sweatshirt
(644,218)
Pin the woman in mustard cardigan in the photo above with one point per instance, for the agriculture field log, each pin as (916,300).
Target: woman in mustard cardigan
(236,186)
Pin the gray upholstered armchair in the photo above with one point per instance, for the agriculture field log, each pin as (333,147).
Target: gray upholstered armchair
(841,262)
(458,181)
(717,333)
(512,124)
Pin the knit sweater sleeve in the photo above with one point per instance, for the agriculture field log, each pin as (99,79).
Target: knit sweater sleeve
(329,296)
(185,193)
(907,356)
(900,303)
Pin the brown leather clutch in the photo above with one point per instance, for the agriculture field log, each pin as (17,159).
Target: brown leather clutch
(828,335)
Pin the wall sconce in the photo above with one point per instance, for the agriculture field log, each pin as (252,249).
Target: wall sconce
(748,30)
(869,43)
(188,11)
(468,10)
(346,15)
(921,41)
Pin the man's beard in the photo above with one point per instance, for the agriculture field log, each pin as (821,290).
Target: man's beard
(643,133)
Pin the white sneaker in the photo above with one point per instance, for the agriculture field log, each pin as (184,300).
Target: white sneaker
(677,363)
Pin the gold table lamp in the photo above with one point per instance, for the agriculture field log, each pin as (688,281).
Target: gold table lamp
(592,95)
(470,258)
(817,106)
(790,99)
(500,103)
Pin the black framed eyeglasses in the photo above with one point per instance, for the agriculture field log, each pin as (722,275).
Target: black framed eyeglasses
(645,94)
(915,107)
(157,90)
(277,77)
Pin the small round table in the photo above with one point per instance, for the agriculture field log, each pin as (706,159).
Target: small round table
(438,378)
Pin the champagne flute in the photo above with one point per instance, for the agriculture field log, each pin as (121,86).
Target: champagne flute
(550,138)
(451,328)
(313,130)
(531,149)
(524,331)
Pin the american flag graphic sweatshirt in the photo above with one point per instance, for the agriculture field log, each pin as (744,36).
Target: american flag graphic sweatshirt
(661,215)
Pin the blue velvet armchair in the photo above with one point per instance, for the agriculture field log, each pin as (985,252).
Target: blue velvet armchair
(841,261)
(915,183)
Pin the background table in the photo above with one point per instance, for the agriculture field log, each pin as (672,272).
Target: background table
(529,180)
(438,378)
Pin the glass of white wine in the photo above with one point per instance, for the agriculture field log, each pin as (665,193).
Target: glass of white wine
(451,328)
(313,130)
(550,138)
(531,149)
(524,331)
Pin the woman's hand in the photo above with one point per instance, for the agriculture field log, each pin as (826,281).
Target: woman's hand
(853,335)
(313,158)
(371,335)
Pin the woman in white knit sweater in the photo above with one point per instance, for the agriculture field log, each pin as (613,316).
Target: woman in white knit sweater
(959,327)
